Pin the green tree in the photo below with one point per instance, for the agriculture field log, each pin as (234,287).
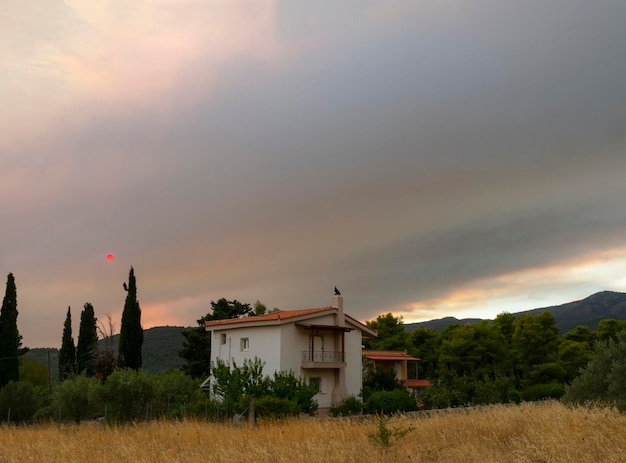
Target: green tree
(535,342)
(197,344)
(608,329)
(10,339)
(75,397)
(87,348)
(172,392)
(391,334)
(425,346)
(603,380)
(126,394)
(259,308)
(18,401)
(67,354)
(224,309)
(131,332)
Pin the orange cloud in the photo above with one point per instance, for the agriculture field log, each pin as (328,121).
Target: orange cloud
(527,289)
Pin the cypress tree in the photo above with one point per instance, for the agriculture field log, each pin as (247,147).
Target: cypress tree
(131,332)
(10,339)
(87,348)
(67,354)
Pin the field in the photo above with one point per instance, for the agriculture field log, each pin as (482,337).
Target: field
(533,433)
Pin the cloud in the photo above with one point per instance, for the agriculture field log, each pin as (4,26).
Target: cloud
(407,152)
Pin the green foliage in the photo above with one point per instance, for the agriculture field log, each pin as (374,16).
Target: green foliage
(259,308)
(126,394)
(609,328)
(18,401)
(276,407)
(535,341)
(131,332)
(87,347)
(379,379)
(233,384)
(386,436)
(67,353)
(196,351)
(197,345)
(389,402)
(391,334)
(285,385)
(349,406)
(173,391)
(10,339)
(425,345)
(543,391)
(75,398)
(603,380)
(224,309)
(236,385)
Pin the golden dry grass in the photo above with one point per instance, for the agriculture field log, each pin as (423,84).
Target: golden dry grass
(533,433)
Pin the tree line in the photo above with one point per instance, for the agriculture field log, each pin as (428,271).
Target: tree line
(74,359)
(510,359)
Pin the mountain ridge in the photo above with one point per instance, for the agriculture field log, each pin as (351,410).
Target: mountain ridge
(588,312)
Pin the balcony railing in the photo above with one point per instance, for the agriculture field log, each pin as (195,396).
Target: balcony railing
(322,356)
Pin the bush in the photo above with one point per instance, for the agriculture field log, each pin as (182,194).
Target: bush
(389,402)
(18,401)
(74,397)
(126,394)
(604,379)
(349,406)
(543,391)
(173,391)
(275,407)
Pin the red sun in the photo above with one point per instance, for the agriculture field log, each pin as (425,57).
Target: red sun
(110,257)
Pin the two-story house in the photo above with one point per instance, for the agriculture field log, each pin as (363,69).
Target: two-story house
(322,345)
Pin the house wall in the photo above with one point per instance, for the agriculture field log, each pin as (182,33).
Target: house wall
(263,343)
(354,362)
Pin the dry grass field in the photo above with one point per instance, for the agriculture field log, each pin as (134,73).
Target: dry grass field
(533,433)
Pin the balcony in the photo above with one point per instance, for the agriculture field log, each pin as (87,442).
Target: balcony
(322,359)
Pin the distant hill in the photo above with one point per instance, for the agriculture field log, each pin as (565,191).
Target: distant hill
(587,312)
(160,350)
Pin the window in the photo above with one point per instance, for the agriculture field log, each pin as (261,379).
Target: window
(245,344)
(316,382)
(223,338)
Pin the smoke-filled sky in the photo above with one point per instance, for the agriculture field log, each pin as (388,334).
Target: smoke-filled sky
(449,158)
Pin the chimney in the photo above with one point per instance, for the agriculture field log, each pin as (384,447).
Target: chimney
(338,304)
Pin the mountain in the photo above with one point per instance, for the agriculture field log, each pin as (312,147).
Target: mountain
(587,312)
(160,350)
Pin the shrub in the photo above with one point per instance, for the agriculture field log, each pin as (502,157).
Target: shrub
(349,406)
(126,394)
(74,397)
(18,401)
(543,391)
(389,402)
(276,407)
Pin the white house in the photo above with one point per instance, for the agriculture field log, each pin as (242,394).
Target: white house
(322,345)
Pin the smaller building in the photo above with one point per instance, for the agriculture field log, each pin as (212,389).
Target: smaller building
(398,361)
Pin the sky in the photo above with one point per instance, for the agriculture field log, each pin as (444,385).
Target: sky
(453,158)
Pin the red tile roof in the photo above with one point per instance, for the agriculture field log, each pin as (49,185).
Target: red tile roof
(387,355)
(274,316)
(417,383)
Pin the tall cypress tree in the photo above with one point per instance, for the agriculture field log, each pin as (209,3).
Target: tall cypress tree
(10,339)
(67,354)
(131,332)
(87,348)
